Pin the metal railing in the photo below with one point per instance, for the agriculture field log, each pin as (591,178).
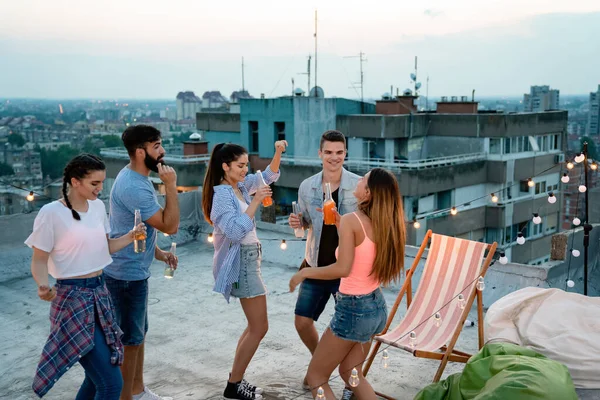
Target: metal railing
(396,165)
(121,154)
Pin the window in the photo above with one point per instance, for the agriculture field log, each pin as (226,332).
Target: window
(495,146)
(540,187)
(524,187)
(253,132)
(279,130)
(444,199)
(538,229)
(506,145)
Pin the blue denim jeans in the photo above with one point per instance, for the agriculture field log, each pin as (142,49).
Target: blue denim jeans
(130,299)
(103,380)
(359,317)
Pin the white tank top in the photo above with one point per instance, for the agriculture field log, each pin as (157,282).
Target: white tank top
(250,237)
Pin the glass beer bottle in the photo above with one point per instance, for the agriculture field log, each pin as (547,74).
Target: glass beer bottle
(299,232)
(328,206)
(169,271)
(139,243)
(267,201)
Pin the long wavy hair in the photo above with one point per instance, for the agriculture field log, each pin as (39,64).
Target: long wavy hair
(384,208)
(222,153)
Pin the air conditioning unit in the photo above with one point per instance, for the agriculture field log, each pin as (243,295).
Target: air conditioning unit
(559,158)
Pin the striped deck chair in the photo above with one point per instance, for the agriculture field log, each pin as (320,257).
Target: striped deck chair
(453,267)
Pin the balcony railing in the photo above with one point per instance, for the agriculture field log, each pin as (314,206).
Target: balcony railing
(120,154)
(396,165)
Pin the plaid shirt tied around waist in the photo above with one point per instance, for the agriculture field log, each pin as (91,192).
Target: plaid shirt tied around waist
(72,324)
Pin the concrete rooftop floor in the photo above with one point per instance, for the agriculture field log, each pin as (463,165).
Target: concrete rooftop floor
(193,333)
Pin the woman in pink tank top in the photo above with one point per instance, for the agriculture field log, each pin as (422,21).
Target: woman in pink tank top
(370,254)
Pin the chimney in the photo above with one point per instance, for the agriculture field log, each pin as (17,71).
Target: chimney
(404,104)
(195,145)
(456,106)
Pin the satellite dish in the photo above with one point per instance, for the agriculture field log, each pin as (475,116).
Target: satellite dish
(317,91)
(418,85)
(413,76)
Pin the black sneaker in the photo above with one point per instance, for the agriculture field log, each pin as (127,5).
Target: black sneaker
(237,391)
(252,388)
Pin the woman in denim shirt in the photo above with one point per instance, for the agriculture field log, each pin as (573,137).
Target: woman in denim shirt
(227,206)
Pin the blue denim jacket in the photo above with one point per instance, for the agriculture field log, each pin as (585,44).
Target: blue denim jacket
(230,227)
(310,196)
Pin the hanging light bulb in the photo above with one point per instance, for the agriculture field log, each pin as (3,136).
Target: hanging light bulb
(551,198)
(416,223)
(210,238)
(283,244)
(530,182)
(453,211)
(503,259)
(582,188)
(480,284)
(320,393)
(494,198)
(594,166)
(461,301)
(579,158)
(354,380)
(570,165)
(412,339)
(30,196)
(570,283)
(385,361)
(565,178)
(537,219)
(437,317)
(575,253)
(576,221)
(520,238)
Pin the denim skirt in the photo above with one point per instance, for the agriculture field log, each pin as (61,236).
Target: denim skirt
(250,283)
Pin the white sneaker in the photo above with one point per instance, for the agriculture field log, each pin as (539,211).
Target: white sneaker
(150,395)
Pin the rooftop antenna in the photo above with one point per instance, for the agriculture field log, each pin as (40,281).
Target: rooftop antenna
(243,83)
(308,74)
(362,76)
(293,87)
(413,78)
(315,55)
(427,95)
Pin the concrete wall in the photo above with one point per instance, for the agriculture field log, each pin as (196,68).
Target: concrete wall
(425,181)
(224,122)
(347,107)
(463,222)
(436,146)
(216,137)
(312,117)
(266,112)
(14,230)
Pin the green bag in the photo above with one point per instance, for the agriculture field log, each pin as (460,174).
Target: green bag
(503,371)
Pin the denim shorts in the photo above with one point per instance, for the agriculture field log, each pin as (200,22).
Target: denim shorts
(359,317)
(313,296)
(130,299)
(250,283)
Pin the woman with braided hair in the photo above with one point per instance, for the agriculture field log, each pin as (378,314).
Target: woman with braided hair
(70,242)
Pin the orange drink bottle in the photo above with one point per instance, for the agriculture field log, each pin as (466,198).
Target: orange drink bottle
(267,201)
(139,244)
(328,206)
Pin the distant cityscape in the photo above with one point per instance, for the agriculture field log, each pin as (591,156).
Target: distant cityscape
(445,151)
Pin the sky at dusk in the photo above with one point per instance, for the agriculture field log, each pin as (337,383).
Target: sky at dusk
(154,49)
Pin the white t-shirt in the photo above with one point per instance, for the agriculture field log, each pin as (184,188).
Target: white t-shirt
(250,237)
(75,247)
